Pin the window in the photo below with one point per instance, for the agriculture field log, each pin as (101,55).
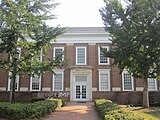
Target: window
(80,78)
(101,58)
(104,80)
(152,84)
(1,41)
(35,83)
(58,81)
(10,74)
(16,82)
(127,81)
(81,55)
(59,53)
(40,58)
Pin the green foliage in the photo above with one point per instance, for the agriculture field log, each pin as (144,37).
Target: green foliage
(102,101)
(103,106)
(111,111)
(23,26)
(37,99)
(135,30)
(121,114)
(27,111)
(60,102)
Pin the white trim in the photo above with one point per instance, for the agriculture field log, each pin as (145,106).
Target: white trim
(41,57)
(46,89)
(2,88)
(1,41)
(39,83)
(83,38)
(58,71)
(54,49)
(139,88)
(67,88)
(94,89)
(155,84)
(99,55)
(104,71)
(126,72)
(77,56)
(9,81)
(23,88)
(116,88)
(19,50)
(80,71)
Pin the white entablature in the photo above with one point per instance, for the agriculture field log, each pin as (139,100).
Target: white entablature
(84,35)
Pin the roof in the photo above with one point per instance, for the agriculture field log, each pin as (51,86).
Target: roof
(85,30)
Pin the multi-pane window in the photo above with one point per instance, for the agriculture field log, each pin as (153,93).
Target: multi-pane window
(59,53)
(16,82)
(152,84)
(103,60)
(127,81)
(104,80)
(81,55)
(35,83)
(58,81)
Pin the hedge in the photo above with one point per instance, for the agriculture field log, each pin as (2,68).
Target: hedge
(20,111)
(111,111)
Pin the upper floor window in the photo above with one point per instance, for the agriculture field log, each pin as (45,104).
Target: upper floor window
(40,57)
(127,81)
(1,41)
(35,83)
(81,55)
(58,81)
(104,80)
(58,53)
(16,82)
(152,84)
(103,60)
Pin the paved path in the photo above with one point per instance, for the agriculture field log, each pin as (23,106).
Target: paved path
(74,111)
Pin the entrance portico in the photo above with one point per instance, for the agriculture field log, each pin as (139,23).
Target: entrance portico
(80,83)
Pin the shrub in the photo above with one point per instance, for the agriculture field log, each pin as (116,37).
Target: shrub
(27,111)
(102,101)
(37,99)
(111,111)
(60,102)
(121,114)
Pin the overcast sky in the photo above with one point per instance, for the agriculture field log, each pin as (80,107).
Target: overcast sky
(78,13)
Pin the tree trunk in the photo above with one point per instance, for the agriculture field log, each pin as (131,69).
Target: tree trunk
(145,94)
(13,82)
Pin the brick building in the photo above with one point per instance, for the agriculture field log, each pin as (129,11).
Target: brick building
(88,74)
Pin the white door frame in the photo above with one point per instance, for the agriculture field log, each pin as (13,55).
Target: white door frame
(73,83)
(81,99)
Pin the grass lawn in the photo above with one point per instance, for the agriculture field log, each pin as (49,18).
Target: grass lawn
(151,113)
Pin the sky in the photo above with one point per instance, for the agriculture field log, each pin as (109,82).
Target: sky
(78,13)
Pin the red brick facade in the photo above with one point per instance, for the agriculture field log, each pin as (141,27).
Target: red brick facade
(91,70)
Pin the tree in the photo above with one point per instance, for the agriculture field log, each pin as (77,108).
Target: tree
(25,36)
(135,31)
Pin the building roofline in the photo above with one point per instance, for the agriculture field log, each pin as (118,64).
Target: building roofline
(85,30)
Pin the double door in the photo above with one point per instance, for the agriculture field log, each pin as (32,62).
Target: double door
(81,92)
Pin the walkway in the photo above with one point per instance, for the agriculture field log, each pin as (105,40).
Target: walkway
(74,111)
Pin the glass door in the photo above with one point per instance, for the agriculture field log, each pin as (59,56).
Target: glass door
(81,92)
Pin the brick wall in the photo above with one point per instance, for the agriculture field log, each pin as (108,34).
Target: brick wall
(116,94)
